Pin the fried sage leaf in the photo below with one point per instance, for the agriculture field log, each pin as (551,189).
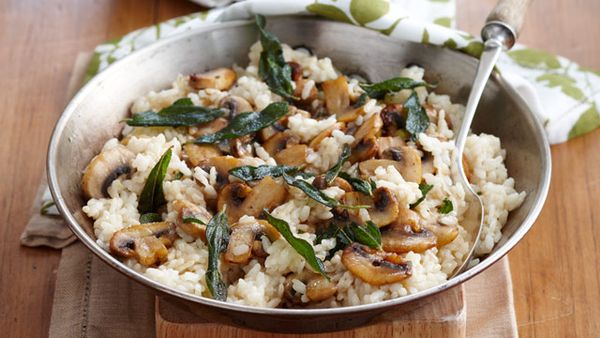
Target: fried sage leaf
(378,90)
(360,185)
(317,194)
(368,234)
(425,188)
(247,123)
(333,172)
(446,207)
(181,113)
(301,246)
(150,217)
(272,67)
(217,236)
(417,120)
(250,173)
(152,196)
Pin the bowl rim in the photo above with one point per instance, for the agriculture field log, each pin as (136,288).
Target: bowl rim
(107,258)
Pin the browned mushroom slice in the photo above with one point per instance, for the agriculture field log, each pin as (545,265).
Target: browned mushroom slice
(409,217)
(293,155)
(147,243)
(375,267)
(240,147)
(267,194)
(222,164)
(233,196)
(196,153)
(408,164)
(242,238)
(208,128)
(320,183)
(388,142)
(279,142)
(235,105)
(402,238)
(384,210)
(186,210)
(297,71)
(370,128)
(337,97)
(104,169)
(320,288)
(350,114)
(365,149)
(220,78)
(444,233)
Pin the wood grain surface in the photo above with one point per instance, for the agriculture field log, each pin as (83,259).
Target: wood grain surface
(555,269)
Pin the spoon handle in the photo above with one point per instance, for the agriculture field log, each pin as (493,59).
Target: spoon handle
(511,13)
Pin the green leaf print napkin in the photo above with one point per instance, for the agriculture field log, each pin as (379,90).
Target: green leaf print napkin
(563,94)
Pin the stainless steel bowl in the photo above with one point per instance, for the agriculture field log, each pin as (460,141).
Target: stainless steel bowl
(94,116)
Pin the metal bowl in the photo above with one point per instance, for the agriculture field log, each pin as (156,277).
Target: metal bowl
(94,116)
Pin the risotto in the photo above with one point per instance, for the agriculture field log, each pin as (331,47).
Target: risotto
(289,184)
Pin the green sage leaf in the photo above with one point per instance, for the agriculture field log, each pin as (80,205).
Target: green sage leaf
(193,220)
(380,89)
(247,123)
(368,234)
(301,246)
(152,196)
(250,173)
(181,113)
(333,172)
(417,120)
(360,185)
(272,67)
(425,188)
(217,236)
(317,194)
(446,207)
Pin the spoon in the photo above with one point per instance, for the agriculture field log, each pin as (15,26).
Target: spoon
(499,34)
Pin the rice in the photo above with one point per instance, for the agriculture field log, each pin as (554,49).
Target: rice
(263,281)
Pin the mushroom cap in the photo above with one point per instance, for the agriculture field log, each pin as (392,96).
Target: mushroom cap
(104,169)
(384,206)
(337,96)
(405,159)
(235,105)
(241,241)
(402,238)
(186,209)
(220,78)
(147,243)
(375,267)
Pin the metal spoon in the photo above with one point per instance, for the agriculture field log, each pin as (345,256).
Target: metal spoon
(499,34)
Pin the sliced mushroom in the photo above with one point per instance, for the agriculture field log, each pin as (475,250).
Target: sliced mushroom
(320,183)
(222,164)
(291,298)
(242,238)
(408,217)
(187,209)
(350,114)
(365,149)
(375,267)
(444,233)
(384,144)
(235,105)
(240,146)
(402,238)
(196,153)
(320,288)
(267,194)
(392,117)
(147,243)
(292,155)
(370,128)
(405,159)
(384,206)
(297,72)
(233,196)
(279,142)
(104,169)
(208,128)
(220,78)
(337,97)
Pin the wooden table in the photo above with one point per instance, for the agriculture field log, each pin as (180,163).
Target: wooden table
(555,269)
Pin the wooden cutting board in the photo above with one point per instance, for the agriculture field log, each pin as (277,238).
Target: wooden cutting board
(444,316)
